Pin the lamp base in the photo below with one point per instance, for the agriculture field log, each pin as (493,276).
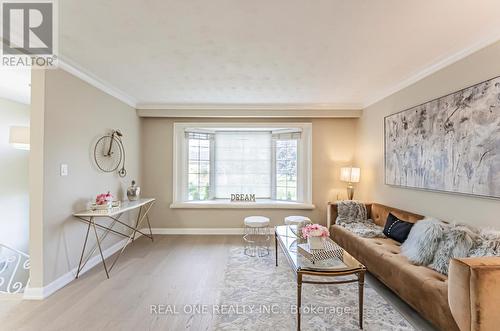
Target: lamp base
(350,191)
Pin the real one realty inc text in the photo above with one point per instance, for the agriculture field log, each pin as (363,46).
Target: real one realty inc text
(230,309)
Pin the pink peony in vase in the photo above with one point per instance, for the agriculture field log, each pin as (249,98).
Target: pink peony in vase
(315,235)
(104,199)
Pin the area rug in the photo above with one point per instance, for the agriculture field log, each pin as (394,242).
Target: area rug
(257,295)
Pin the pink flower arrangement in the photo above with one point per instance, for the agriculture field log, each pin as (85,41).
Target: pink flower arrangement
(315,230)
(104,199)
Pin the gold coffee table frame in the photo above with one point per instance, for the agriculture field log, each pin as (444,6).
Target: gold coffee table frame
(344,265)
(89,217)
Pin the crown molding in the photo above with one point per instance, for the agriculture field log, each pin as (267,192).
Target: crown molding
(250,113)
(250,110)
(76,70)
(254,106)
(433,68)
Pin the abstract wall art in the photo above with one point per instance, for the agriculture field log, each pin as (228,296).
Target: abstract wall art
(449,144)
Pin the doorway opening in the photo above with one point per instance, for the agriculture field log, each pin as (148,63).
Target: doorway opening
(15,106)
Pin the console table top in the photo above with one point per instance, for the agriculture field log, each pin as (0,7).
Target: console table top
(125,206)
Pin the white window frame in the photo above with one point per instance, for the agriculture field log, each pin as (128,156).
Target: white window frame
(304,167)
(211,193)
(300,149)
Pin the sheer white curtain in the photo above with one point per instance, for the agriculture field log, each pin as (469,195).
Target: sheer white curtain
(243,164)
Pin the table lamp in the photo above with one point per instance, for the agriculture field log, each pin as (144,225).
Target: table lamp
(350,175)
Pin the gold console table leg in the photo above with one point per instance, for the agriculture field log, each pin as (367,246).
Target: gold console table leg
(100,249)
(83,252)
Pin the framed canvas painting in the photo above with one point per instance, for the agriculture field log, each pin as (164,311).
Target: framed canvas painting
(449,144)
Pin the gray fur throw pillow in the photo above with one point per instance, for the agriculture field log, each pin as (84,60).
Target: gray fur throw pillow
(423,241)
(456,242)
(488,244)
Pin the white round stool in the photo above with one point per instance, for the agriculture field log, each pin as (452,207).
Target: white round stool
(256,236)
(300,222)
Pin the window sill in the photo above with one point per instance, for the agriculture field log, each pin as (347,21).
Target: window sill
(226,204)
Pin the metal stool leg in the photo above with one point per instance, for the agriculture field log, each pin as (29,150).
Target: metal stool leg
(249,237)
(257,241)
(265,239)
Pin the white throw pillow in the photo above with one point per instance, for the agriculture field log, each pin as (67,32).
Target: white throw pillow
(423,241)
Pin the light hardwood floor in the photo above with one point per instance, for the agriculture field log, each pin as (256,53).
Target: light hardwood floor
(174,270)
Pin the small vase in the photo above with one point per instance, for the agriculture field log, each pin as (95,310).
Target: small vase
(315,242)
(133,192)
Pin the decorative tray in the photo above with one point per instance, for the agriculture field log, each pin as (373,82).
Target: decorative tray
(330,250)
(106,207)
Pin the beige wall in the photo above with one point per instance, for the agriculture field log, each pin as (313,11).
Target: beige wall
(475,68)
(76,114)
(14,189)
(333,147)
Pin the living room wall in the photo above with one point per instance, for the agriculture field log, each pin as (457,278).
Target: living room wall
(473,69)
(333,147)
(76,114)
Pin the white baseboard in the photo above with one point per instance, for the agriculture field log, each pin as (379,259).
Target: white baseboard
(40,293)
(196,231)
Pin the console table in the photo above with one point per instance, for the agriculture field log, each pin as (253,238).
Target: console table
(91,217)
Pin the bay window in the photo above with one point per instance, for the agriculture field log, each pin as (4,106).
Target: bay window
(269,160)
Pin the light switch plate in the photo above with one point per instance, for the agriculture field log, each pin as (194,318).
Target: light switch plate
(64,169)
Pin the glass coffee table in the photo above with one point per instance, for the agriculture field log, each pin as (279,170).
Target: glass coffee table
(340,263)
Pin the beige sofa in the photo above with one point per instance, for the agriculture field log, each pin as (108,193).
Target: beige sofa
(467,299)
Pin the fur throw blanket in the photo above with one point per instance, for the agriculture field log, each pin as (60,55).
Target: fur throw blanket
(456,243)
(352,215)
(364,228)
(351,211)
(488,244)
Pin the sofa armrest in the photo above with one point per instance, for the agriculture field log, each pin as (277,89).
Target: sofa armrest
(331,214)
(474,293)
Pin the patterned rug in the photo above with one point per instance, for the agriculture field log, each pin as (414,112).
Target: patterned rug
(257,295)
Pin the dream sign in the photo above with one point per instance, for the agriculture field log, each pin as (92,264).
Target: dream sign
(243,197)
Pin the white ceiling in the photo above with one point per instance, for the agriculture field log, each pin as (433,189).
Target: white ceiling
(324,53)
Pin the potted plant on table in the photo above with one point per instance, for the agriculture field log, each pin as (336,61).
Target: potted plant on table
(315,235)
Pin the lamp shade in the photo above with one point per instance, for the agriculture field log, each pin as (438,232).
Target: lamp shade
(349,174)
(20,137)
